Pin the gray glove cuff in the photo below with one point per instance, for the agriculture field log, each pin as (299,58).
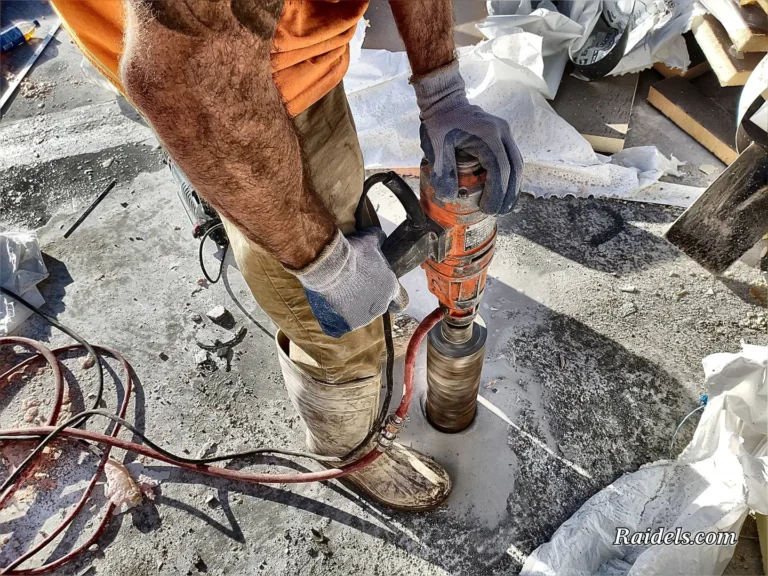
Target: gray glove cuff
(441,89)
(322,273)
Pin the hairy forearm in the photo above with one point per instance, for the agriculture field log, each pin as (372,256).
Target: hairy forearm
(199,71)
(426,27)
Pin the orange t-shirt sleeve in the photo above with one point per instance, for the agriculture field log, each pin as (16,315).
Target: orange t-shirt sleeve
(310,52)
(96,26)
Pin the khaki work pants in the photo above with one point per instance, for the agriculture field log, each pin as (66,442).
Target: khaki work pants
(331,148)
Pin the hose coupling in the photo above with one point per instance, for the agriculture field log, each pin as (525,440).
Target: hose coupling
(392,427)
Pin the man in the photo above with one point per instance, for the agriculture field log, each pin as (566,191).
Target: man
(246,96)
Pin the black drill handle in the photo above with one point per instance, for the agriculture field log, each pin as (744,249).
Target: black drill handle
(405,195)
(413,241)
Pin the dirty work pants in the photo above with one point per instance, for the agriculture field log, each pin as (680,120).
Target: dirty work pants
(332,151)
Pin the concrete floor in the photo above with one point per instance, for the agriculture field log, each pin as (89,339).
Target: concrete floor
(575,390)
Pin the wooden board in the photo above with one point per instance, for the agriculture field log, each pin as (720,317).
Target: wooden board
(715,43)
(698,66)
(710,125)
(599,109)
(730,217)
(754,36)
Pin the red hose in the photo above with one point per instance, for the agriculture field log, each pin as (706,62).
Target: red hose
(111,440)
(410,358)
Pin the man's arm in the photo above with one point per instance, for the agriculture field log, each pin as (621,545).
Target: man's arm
(448,121)
(199,71)
(426,27)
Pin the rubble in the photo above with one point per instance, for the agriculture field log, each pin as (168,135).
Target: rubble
(217,340)
(219,315)
(627,309)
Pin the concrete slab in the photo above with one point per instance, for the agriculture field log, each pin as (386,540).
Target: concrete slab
(574,393)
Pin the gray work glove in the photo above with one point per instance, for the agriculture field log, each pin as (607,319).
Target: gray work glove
(350,284)
(449,123)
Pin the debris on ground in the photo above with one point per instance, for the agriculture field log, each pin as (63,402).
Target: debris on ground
(121,489)
(318,536)
(21,269)
(38,89)
(214,340)
(219,315)
(708,169)
(627,309)
(127,485)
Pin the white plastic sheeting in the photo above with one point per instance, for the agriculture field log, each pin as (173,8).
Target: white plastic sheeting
(656,35)
(710,487)
(559,161)
(536,42)
(21,268)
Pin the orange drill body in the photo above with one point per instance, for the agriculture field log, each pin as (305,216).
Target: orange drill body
(458,280)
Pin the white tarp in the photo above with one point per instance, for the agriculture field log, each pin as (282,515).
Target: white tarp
(656,35)
(21,268)
(657,26)
(558,160)
(536,42)
(718,478)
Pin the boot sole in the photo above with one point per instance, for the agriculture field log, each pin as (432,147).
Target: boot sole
(361,491)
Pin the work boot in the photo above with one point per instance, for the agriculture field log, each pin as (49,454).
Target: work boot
(338,417)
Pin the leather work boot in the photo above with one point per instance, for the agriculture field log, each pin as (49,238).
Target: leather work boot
(338,417)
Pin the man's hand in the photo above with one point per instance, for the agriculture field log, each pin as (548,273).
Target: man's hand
(449,123)
(350,283)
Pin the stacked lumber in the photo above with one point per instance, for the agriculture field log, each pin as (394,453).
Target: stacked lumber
(699,116)
(732,69)
(733,39)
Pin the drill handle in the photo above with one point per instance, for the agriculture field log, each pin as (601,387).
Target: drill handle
(405,195)
(414,240)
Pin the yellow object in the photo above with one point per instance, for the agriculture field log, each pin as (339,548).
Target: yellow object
(310,51)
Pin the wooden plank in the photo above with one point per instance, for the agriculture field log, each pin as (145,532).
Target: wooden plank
(698,66)
(762,532)
(754,36)
(730,217)
(747,25)
(599,110)
(715,43)
(700,117)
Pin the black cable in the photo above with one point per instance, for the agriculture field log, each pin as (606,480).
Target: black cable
(72,334)
(200,254)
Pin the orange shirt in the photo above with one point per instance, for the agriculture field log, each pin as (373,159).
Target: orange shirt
(310,52)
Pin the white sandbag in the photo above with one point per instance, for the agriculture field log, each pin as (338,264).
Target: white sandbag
(709,488)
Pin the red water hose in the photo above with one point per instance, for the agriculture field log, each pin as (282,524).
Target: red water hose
(112,441)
